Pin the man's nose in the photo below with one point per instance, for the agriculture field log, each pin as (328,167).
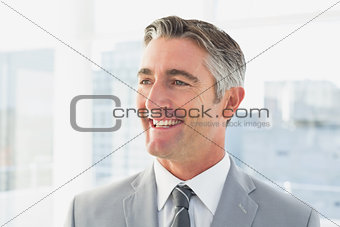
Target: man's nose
(158,97)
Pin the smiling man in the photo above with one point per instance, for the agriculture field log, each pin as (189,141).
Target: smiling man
(187,65)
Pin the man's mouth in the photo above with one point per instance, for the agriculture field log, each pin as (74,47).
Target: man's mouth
(165,123)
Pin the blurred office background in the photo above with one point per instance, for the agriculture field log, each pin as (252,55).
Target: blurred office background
(297,146)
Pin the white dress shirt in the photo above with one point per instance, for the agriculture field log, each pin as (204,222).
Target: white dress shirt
(207,186)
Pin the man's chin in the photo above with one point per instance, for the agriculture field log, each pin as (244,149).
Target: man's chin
(159,151)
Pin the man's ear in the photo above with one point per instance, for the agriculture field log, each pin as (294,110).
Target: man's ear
(234,97)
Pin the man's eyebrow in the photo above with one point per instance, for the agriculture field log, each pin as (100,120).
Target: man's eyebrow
(144,71)
(173,72)
(170,72)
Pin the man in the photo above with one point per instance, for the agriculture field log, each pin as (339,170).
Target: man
(189,65)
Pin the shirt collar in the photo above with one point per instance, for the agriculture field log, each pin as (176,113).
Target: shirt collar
(208,185)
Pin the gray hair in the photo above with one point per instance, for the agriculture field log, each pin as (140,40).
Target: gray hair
(225,59)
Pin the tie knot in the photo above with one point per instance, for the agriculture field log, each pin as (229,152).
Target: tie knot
(181,196)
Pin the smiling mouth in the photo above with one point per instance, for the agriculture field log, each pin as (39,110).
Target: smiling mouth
(165,123)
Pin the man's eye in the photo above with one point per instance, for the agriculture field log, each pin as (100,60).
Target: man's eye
(145,82)
(180,83)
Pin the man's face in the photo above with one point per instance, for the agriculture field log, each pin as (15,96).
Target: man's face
(172,73)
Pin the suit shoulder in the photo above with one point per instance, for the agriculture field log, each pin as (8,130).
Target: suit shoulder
(270,193)
(280,204)
(113,191)
(103,205)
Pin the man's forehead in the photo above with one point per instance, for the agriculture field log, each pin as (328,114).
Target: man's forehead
(177,56)
(177,48)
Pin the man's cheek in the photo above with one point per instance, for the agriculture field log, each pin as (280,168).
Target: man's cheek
(140,101)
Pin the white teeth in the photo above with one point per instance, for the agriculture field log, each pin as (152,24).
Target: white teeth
(165,123)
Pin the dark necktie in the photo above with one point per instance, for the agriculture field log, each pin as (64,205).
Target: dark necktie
(181,198)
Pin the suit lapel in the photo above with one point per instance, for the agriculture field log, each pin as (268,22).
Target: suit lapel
(235,207)
(140,207)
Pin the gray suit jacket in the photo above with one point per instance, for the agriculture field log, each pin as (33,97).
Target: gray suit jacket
(245,202)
